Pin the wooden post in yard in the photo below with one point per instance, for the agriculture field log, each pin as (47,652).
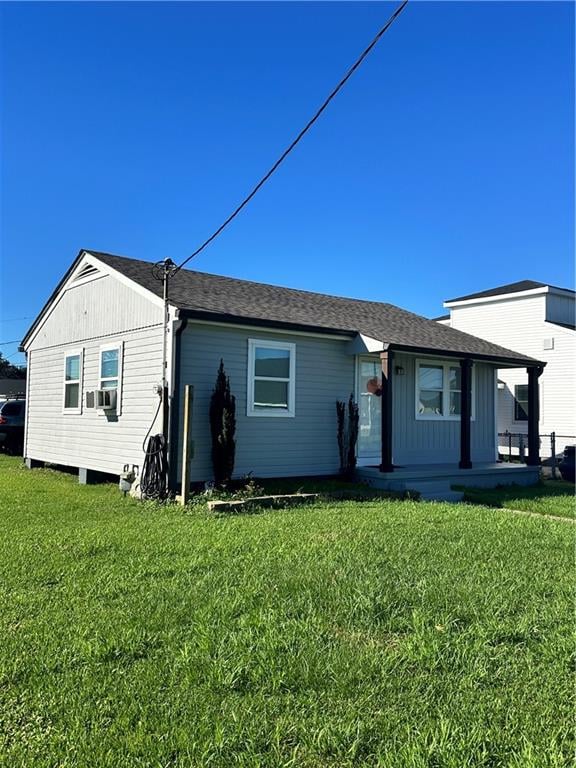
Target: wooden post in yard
(187,444)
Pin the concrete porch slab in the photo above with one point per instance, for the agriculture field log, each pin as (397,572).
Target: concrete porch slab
(432,477)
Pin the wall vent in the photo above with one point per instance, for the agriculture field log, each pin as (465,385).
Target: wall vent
(88,270)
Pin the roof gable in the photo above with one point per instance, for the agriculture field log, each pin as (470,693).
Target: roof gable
(86,268)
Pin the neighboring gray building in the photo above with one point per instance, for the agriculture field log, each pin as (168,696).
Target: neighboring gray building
(95,357)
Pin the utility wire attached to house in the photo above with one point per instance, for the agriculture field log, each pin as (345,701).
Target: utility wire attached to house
(164,271)
(306,128)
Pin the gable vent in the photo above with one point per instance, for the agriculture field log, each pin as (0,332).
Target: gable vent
(88,270)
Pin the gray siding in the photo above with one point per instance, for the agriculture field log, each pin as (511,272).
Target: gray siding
(437,442)
(268,446)
(99,312)
(560,309)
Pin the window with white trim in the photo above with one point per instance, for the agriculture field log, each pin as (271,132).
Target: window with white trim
(110,371)
(109,368)
(271,378)
(439,391)
(73,381)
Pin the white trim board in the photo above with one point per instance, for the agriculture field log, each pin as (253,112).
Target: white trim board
(258,328)
(509,296)
(271,412)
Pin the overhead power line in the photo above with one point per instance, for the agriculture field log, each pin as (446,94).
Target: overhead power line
(5,343)
(304,130)
(9,357)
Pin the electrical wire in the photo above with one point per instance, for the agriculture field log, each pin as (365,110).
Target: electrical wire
(151,425)
(9,357)
(306,128)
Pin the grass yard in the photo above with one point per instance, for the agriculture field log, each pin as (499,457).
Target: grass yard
(549,497)
(385,633)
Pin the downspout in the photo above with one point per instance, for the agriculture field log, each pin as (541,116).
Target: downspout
(26,419)
(174,425)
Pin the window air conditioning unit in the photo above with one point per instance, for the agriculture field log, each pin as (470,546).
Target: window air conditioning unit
(105,399)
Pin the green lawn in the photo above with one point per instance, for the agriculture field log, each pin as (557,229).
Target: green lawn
(550,497)
(383,633)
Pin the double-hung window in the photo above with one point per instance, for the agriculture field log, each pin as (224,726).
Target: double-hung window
(109,367)
(521,402)
(110,371)
(439,391)
(73,381)
(271,378)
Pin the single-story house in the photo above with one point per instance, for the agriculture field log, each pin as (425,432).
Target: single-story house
(426,392)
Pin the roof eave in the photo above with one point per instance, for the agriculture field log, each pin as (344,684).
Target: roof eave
(501,361)
(461,302)
(222,317)
(40,315)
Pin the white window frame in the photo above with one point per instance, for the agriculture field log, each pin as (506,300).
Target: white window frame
(119,345)
(290,412)
(67,354)
(446,415)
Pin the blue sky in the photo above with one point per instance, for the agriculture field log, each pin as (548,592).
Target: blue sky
(445,166)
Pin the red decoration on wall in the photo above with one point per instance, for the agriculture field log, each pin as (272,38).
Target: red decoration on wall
(374,386)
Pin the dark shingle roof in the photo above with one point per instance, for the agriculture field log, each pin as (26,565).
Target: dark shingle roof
(521,285)
(239,300)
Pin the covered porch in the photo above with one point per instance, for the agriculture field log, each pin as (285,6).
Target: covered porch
(432,419)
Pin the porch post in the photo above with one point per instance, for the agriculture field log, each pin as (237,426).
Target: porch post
(465,413)
(386,359)
(534,372)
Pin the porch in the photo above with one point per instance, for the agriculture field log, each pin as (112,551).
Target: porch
(436,481)
(428,421)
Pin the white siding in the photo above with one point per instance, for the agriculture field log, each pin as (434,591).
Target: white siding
(93,310)
(520,324)
(92,439)
(103,311)
(512,323)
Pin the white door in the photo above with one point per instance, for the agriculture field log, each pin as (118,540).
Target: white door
(370,407)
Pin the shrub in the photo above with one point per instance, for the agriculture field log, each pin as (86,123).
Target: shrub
(348,420)
(223,428)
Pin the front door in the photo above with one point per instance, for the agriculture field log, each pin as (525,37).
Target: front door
(370,407)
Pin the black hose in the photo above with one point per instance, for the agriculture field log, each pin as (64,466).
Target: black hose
(154,479)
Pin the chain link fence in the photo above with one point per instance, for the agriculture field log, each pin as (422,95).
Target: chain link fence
(513,447)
